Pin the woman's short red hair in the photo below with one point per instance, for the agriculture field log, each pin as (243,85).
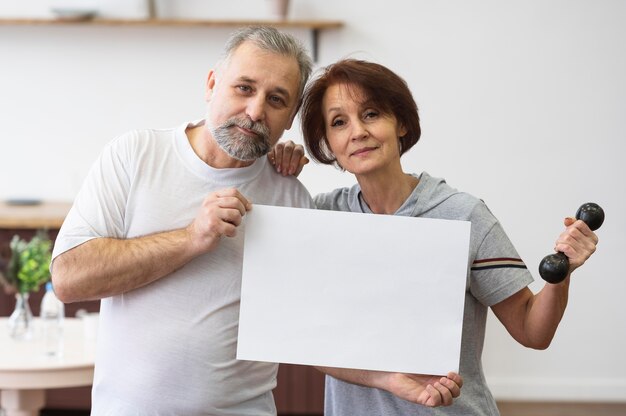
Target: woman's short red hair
(381,87)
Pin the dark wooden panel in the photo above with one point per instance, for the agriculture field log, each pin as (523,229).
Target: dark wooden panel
(518,408)
(299,390)
(78,398)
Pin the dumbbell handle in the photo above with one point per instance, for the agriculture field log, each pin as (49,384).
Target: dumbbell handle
(555,267)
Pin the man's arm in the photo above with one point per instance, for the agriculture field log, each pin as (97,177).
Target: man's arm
(105,267)
(427,390)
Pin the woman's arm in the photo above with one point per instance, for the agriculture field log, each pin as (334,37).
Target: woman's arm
(427,390)
(532,319)
(105,267)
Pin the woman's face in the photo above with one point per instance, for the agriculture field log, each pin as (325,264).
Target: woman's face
(363,139)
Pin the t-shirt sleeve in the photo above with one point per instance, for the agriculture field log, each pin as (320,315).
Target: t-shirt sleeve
(303,198)
(497,271)
(99,207)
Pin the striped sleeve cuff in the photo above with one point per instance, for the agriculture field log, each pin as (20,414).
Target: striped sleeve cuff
(498,263)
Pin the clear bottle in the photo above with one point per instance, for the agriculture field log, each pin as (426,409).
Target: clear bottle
(52,314)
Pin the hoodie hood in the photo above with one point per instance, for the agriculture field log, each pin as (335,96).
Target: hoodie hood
(429,193)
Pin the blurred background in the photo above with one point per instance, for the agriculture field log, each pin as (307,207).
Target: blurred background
(521,105)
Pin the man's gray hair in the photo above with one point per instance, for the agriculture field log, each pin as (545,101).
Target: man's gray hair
(273,40)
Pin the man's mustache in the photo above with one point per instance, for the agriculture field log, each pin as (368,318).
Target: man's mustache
(259,129)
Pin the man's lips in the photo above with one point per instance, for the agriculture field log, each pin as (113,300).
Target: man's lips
(362,151)
(247,132)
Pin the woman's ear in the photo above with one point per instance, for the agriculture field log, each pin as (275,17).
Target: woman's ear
(402,130)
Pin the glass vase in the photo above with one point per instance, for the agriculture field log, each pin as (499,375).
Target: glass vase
(21,320)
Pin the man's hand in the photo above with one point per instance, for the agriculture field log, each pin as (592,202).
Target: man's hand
(431,391)
(220,215)
(288,158)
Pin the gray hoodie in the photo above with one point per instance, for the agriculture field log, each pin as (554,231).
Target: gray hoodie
(494,273)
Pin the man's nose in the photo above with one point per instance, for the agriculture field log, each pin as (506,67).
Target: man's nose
(256,108)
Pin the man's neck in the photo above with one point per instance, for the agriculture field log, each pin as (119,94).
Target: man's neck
(209,151)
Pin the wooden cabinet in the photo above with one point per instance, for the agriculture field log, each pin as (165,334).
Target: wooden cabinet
(300,389)
(25,220)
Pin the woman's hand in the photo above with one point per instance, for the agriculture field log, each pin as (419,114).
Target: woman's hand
(431,391)
(288,158)
(427,390)
(577,242)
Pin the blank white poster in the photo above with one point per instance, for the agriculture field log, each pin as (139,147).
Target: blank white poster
(338,289)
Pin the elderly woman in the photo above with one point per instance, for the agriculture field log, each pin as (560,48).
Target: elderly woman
(361,117)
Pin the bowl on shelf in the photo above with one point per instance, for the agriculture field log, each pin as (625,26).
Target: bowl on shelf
(74,14)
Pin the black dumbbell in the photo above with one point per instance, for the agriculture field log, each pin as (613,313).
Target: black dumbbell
(554,267)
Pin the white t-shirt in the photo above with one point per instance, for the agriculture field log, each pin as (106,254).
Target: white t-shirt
(169,348)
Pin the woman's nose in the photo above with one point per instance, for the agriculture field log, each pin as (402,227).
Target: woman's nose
(359,132)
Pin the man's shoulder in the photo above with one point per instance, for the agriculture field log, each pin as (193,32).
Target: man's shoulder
(143,136)
(142,141)
(286,190)
(300,194)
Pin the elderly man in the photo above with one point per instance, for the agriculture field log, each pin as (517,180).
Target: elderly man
(154,234)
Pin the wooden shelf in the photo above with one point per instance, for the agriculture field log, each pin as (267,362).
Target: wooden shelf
(313,25)
(47,214)
(305,24)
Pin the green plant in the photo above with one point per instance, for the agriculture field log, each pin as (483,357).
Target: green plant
(29,266)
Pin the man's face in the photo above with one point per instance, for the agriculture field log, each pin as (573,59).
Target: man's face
(252,100)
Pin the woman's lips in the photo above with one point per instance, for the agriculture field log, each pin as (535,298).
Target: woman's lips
(363,151)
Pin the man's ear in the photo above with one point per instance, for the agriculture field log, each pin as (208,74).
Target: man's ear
(210,85)
(293,115)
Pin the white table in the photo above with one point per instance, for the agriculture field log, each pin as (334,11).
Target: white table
(26,372)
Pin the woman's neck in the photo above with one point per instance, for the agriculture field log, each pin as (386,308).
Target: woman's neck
(385,194)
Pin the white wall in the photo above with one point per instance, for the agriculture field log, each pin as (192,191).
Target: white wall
(521,105)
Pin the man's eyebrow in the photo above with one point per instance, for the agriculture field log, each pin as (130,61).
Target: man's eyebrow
(244,78)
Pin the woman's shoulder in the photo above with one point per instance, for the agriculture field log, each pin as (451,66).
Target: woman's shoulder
(443,201)
(340,199)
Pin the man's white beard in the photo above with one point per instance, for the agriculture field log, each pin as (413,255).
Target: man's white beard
(238,145)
